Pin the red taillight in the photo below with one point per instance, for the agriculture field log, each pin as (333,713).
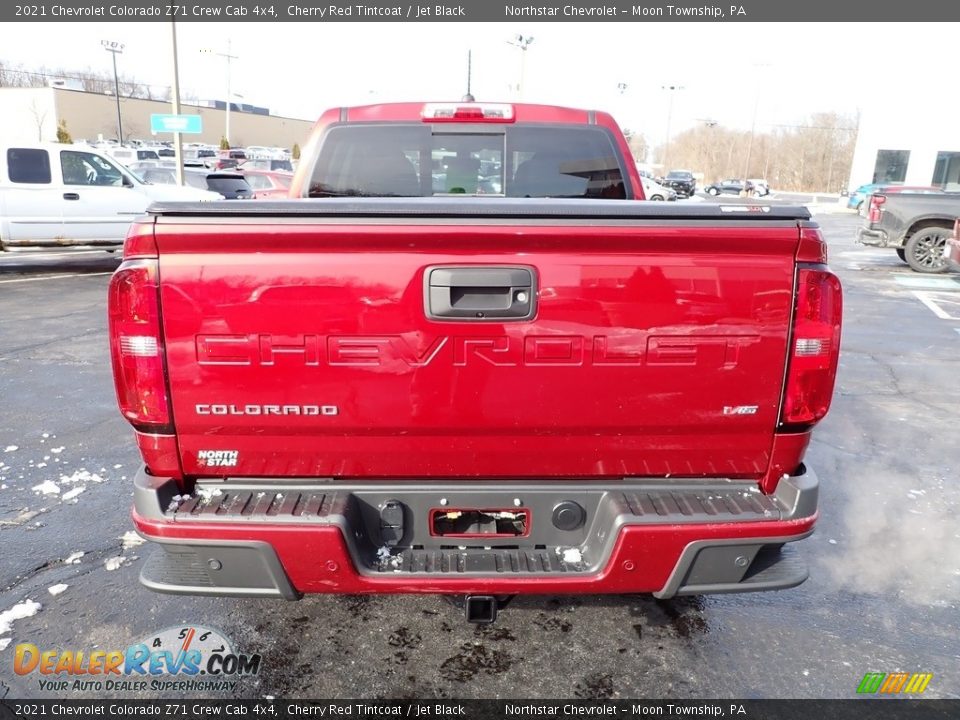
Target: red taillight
(815,349)
(136,346)
(876,208)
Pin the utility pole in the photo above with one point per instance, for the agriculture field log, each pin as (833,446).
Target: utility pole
(114,48)
(177,140)
(666,147)
(523,43)
(228,57)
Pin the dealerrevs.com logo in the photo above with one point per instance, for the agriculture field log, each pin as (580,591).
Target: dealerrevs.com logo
(178,659)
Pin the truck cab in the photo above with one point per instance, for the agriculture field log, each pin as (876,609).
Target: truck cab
(53,194)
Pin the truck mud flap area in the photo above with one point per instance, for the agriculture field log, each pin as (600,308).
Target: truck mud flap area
(262,538)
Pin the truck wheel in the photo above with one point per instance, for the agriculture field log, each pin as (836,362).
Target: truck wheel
(925,249)
(902,254)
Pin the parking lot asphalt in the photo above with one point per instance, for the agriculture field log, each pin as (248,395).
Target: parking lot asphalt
(883,594)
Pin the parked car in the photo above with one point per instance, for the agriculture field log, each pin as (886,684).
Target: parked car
(266,164)
(267,184)
(233,186)
(653,190)
(916,225)
(859,199)
(54,195)
(374,390)
(952,251)
(730,186)
(760,186)
(682,181)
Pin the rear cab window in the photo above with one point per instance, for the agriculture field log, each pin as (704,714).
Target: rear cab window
(29,166)
(420,160)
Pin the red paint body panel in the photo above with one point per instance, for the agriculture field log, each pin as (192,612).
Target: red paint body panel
(316,559)
(643,336)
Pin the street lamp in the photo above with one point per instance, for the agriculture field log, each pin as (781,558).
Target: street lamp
(114,48)
(228,58)
(666,147)
(523,43)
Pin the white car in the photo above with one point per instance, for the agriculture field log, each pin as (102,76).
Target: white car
(760,186)
(56,195)
(653,190)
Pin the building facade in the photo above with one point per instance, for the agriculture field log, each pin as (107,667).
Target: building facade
(32,114)
(913,148)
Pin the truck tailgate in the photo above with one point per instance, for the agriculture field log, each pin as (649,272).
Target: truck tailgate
(298,344)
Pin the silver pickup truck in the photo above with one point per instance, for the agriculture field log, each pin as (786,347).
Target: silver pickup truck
(916,225)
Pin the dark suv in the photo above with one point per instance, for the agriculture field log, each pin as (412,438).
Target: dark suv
(682,181)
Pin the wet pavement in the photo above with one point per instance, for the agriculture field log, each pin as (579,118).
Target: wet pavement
(883,594)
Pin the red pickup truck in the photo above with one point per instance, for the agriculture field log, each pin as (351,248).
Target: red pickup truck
(469,362)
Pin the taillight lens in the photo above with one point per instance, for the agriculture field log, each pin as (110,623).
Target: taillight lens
(136,346)
(815,351)
(876,208)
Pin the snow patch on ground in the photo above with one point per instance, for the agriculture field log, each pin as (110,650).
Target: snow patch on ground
(74,558)
(115,563)
(81,475)
(3,643)
(27,608)
(57,589)
(131,540)
(48,487)
(11,448)
(71,495)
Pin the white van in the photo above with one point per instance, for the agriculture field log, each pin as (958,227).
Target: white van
(54,195)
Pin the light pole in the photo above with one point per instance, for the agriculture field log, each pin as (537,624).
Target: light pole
(114,48)
(666,147)
(228,58)
(177,139)
(523,43)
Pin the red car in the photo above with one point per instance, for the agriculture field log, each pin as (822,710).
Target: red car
(268,184)
(467,361)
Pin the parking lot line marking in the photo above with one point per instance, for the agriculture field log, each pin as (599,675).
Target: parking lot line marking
(57,277)
(931,283)
(933,303)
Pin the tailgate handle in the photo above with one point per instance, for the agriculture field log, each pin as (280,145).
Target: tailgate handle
(479,293)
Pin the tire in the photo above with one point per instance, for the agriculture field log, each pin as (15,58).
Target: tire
(713,191)
(657,198)
(924,250)
(902,254)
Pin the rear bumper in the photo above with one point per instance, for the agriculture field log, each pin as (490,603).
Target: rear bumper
(869,236)
(266,539)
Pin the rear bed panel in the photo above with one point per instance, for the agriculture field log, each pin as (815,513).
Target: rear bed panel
(657,349)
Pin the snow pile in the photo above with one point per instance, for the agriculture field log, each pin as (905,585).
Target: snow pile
(131,540)
(11,448)
(27,608)
(115,563)
(74,558)
(57,589)
(82,475)
(72,494)
(48,487)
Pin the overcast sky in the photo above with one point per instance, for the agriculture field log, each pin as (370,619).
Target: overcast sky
(784,70)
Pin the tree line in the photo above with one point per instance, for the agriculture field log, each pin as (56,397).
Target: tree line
(814,155)
(94,81)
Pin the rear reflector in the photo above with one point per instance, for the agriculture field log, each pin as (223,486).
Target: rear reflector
(812,365)
(468,112)
(136,348)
